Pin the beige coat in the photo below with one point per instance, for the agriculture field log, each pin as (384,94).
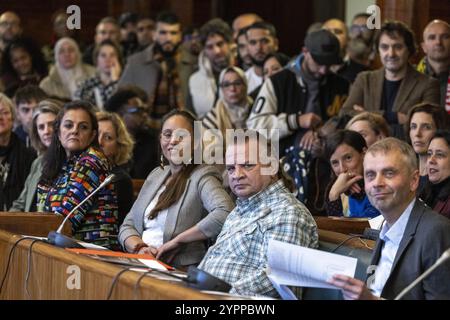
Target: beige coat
(53,86)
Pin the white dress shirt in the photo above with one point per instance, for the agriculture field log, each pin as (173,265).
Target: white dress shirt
(392,236)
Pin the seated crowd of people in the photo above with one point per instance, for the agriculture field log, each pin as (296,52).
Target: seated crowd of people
(348,127)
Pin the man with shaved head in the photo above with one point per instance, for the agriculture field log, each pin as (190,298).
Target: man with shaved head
(244,20)
(436,63)
(339,29)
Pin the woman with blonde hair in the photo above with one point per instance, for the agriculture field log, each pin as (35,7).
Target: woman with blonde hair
(117,145)
(15,157)
(68,72)
(372,126)
(44,116)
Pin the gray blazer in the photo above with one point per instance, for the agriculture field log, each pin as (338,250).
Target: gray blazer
(426,237)
(27,196)
(204,203)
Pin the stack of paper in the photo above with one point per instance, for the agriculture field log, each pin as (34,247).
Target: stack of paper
(292,265)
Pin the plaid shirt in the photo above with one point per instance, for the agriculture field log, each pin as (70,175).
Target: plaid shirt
(241,260)
(86,90)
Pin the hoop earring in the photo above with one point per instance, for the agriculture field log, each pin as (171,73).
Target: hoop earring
(161,163)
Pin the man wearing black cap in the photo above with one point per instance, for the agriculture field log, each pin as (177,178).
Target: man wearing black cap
(297,99)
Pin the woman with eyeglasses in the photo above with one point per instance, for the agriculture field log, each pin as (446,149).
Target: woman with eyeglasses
(177,196)
(99,88)
(436,193)
(233,107)
(44,116)
(73,167)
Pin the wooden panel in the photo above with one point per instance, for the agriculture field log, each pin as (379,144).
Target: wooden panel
(32,223)
(342,224)
(49,275)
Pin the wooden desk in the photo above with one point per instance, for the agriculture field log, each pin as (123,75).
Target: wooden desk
(49,276)
(32,223)
(342,224)
(337,238)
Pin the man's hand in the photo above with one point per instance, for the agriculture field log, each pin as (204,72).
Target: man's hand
(309,120)
(151,251)
(352,289)
(345,181)
(308,140)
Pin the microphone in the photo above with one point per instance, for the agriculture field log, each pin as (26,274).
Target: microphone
(444,257)
(60,240)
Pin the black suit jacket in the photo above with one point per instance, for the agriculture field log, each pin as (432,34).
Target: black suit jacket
(426,237)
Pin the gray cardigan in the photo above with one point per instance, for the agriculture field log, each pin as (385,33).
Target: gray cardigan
(204,203)
(27,196)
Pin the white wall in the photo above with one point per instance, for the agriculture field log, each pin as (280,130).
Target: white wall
(356,6)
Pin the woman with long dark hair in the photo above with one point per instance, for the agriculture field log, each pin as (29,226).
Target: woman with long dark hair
(346,149)
(424,119)
(436,193)
(177,196)
(73,167)
(22,64)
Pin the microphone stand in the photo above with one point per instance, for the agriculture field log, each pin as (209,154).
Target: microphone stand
(57,238)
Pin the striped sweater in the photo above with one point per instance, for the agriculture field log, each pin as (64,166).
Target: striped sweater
(96,220)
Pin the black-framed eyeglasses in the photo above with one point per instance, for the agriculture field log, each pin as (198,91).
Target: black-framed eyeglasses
(134,109)
(226,85)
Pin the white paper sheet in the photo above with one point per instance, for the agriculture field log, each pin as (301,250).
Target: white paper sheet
(154,264)
(293,265)
(377,222)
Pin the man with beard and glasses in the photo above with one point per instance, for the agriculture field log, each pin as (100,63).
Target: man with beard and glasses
(160,69)
(436,63)
(396,87)
(359,48)
(216,39)
(261,41)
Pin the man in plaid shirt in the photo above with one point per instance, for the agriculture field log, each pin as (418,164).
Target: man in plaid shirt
(265,210)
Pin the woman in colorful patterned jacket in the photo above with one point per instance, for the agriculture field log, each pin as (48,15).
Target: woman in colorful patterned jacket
(74,167)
